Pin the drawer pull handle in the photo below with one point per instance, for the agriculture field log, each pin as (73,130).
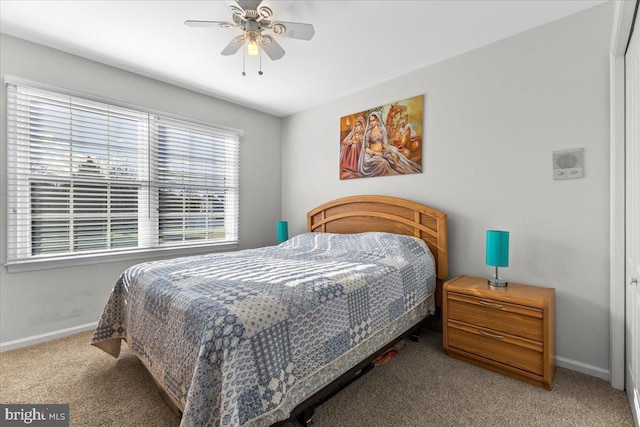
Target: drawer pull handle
(489,304)
(487,334)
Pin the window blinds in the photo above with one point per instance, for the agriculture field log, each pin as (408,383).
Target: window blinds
(196,182)
(88,177)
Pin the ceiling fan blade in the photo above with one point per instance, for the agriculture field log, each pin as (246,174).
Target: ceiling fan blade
(239,7)
(278,5)
(265,8)
(233,46)
(271,47)
(237,10)
(249,4)
(192,23)
(294,30)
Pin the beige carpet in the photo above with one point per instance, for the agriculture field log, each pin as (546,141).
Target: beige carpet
(419,387)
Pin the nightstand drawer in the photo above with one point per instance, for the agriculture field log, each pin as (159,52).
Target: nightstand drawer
(504,348)
(497,315)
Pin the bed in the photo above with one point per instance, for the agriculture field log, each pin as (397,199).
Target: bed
(255,337)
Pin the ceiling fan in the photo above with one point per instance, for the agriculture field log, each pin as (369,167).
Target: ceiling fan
(254,18)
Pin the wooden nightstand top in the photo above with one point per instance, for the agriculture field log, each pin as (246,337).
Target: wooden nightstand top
(534,296)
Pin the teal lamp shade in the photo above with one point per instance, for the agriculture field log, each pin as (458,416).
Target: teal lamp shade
(282,230)
(498,248)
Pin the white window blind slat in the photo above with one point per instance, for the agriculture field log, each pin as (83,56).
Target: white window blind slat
(86,177)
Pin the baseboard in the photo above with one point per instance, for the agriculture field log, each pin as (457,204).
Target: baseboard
(585,368)
(35,339)
(562,362)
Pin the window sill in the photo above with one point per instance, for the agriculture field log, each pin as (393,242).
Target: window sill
(137,254)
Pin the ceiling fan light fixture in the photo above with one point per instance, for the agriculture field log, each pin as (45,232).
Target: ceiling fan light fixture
(252,47)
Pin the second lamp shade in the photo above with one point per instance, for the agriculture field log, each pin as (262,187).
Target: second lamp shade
(498,248)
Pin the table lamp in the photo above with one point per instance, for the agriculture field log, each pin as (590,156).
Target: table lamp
(497,254)
(282,231)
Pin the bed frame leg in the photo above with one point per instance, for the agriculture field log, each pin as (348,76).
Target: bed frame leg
(415,335)
(306,417)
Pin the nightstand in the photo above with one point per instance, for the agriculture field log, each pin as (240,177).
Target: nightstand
(510,330)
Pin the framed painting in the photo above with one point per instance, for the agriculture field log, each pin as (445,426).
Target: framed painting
(381,141)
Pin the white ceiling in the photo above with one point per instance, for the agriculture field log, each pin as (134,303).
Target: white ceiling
(357,43)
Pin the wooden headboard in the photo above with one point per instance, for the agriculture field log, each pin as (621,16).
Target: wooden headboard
(357,214)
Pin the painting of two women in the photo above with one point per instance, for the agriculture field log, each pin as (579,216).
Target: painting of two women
(372,146)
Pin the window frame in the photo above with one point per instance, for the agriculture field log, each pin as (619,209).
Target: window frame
(18,262)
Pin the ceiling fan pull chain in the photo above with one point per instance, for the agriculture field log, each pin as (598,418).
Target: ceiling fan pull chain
(260,72)
(243,70)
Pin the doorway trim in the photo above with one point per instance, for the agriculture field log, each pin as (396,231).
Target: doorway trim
(623,19)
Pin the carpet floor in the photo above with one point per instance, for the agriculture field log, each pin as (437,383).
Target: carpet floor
(420,386)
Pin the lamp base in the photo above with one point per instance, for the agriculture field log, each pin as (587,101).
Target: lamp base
(497,282)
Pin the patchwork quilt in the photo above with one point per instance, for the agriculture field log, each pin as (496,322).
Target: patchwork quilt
(241,338)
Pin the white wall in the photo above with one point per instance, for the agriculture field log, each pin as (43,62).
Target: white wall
(42,302)
(493,116)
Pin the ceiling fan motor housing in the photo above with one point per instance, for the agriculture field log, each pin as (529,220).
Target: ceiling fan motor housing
(252,29)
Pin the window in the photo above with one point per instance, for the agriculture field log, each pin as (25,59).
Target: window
(89,178)
(193,176)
